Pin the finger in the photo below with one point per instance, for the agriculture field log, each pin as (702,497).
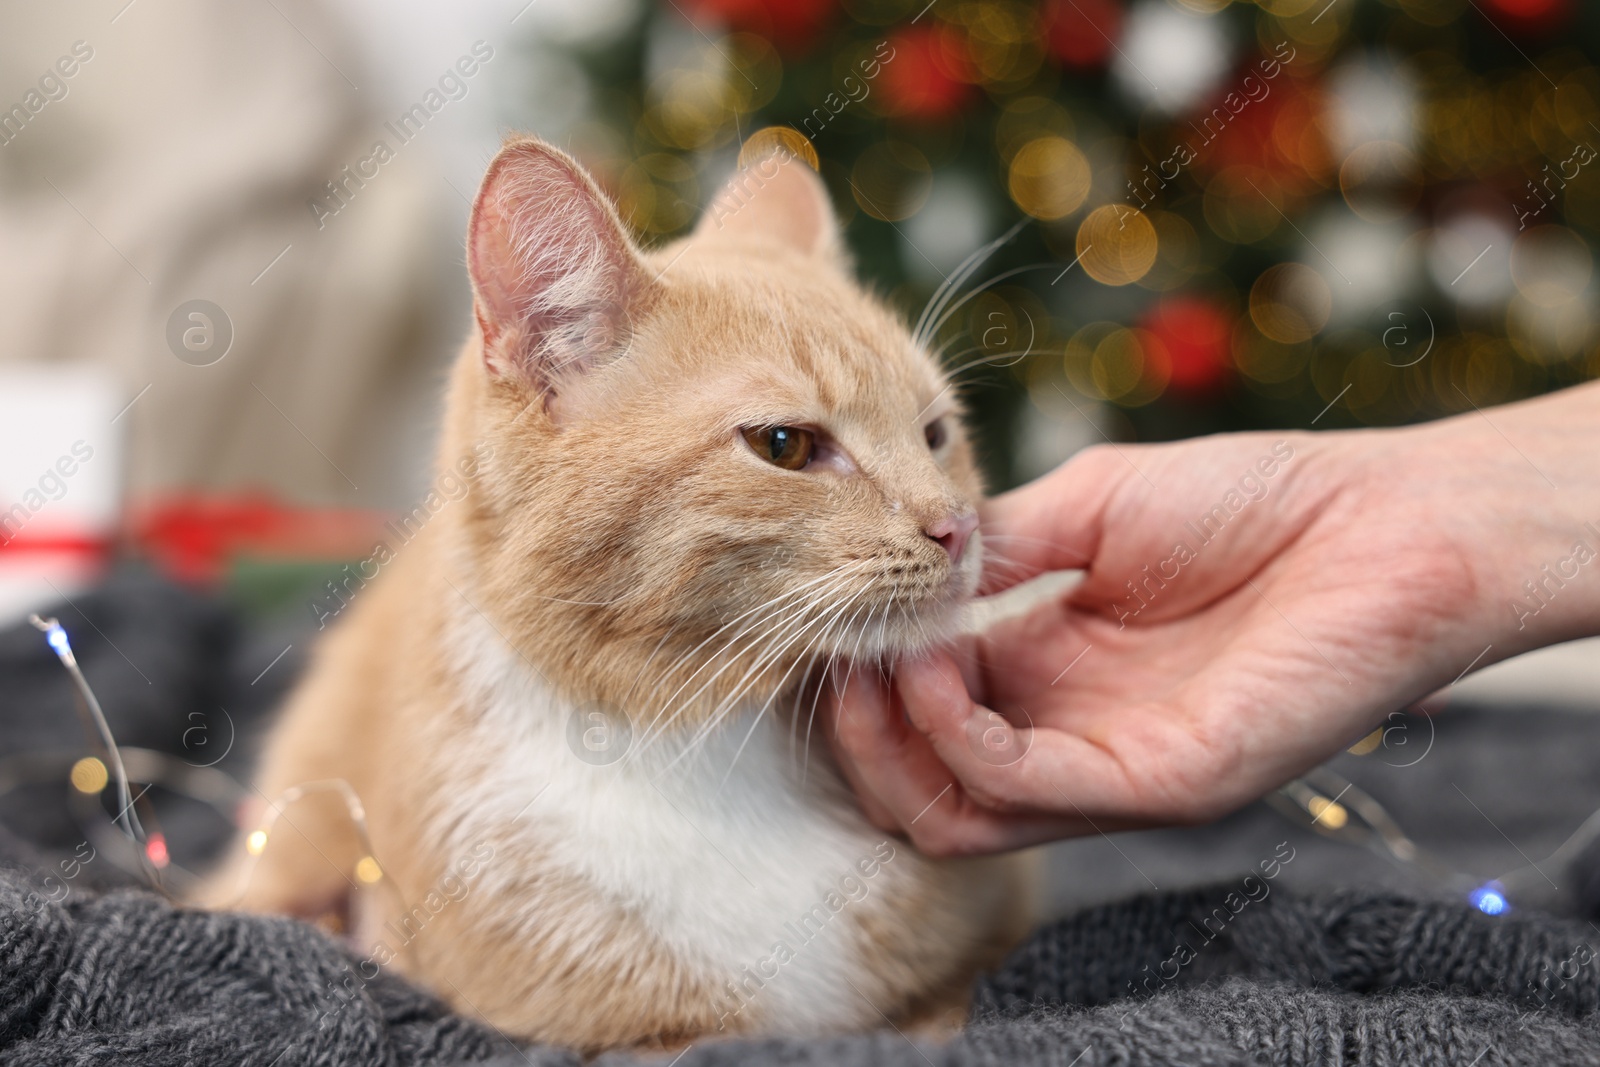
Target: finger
(1050,524)
(863,705)
(1010,769)
(883,757)
(893,766)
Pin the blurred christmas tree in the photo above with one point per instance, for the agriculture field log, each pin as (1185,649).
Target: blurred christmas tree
(1239,215)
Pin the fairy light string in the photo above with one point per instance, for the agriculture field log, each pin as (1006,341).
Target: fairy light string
(90,776)
(1335,807)
(95,720)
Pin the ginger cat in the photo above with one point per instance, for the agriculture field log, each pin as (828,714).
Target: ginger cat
(576,705)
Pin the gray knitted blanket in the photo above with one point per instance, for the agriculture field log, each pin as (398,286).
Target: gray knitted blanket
(1353,978)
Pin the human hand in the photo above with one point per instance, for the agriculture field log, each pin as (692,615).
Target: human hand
(1252,603)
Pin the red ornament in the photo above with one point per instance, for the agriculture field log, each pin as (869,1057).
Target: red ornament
(1278,134)
(1531,16)
(1081,33)
(792,25)
(1196,335)
(928,75)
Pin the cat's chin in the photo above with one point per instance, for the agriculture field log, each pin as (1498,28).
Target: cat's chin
(910,632)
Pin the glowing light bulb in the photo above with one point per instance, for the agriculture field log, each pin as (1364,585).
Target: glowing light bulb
(89,775)
(1490,899)
(156,849)
(368,870)
(1327,812)
(55,637)
(256,842)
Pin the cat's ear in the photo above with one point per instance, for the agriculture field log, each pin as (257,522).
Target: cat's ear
(777,197)
(555,277)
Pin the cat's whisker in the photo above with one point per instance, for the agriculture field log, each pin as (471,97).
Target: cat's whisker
(816,699)
(828,623)
(866,627)
(941,355)
(995,561)
(834,627)
(824,637)
(990,552)
(958,277)
(742,687)
(756,721)
(788,617)
(991,283)
(989,538)
(765,606)
(937,299)
(649,659)
(733,651)
(944,350)
(800,694)
(805,764)
(832,681)
(795,616)
(794,626)
(820,653)
(853,659)
(883,623)
(1001,359)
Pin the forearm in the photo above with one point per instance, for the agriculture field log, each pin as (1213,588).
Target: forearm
(1519,486)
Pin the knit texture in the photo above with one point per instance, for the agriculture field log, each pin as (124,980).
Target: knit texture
(1177,978)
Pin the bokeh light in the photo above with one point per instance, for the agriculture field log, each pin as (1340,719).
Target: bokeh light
(1049,177)
(1082,33)
(1490,899)
(1106,361)
(778,139)
(1169,57)
(1290,303)
(89,775)
(1116,244)
(1195,335)
(931,75)
(1469,257)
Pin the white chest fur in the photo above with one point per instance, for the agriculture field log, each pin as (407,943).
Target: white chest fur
(754,873)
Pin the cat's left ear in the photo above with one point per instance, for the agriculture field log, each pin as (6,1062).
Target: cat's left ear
(556,279)
(777,198)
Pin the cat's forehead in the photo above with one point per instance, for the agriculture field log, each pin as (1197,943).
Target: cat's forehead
(812,333)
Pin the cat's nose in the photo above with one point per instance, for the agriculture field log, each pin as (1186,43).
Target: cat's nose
(952,532)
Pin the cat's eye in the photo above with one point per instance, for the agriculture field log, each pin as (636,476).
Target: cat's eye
(935,434)
(789,447)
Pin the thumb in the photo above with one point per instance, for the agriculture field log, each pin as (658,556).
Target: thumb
(1054,523)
